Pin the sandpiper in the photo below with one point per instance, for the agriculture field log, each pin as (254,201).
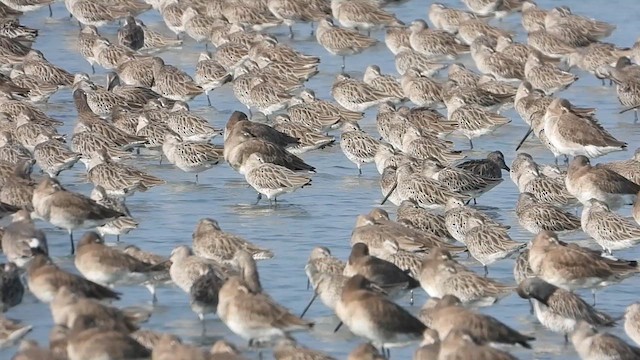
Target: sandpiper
(307,137)
(271,179)
(69,210)
(188,156)
(631,314)
(173,83)
(421,90)
(362,15)
(118,179)
(545,76)
(211,242)
(535,216)
(384,83)
(341,42)
(473,121)
(459,180)
(489,243)
(210,75)
(587,182)
(11,331)
(461,344)
(358,146)
(533,17)
(287,348)
(356,95)
(434,43)
(410,214)
(407,58)
(441,275)
(548,44)
(491,167)
(627,168)
(446,18)
(608,229)
(36,65)
(96,14)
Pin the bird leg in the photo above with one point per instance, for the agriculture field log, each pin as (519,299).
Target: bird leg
(486,271)
(290,32)
(471,143)
(196,178)
(389,194)
(411,299)
(50,11)
(337,327)
(526,136)
(208,99)
(311,28)
(73,248)
(259,198)
(343,64)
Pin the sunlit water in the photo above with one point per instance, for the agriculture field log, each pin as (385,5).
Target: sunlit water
(324,213)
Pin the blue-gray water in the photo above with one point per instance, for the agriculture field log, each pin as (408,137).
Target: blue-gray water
(323,214)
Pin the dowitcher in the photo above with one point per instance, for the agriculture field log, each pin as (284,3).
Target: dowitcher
(587,182)
(238,121)
(448,314)
(473,121)
(545,76)
(11,286)
(131,34)
(240,144)
(308,138)
(365,352)
(188,156)
(210,75)
(489,61)
(108,266)
(421,90)
(459,180)
(490,167)
(434,43)
(441,275)
(172,82)
(44,279)
(20,238)
(372,316)
(397,37)
(459,219)
(67,209)
(407,58)
(535,216)
(358,146)
(446,18)
(489,243)
(610,230)
(628,168)
(211,242)
(382,273)
(341,42)
(362,15)
(589,343)
(255,316)
(571,267)
(592,141)
(409,214)
(271,179)
(355,95)
(87,341)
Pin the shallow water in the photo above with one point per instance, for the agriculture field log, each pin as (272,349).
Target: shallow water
(324,213)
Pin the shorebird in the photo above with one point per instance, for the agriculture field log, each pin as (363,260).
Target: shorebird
(446,18)
(592,140)
(131,34)
(211,242)
(473,121)
(189,126)
(407,58)
(397,37)
(546,189)
(358,146)
(459,180)
(448,314)
(610,230)
(21,238)
(631,317)
(560,18)
(587,182)
(44,279)
(591,344)
(120,226)
(386,84)
(210,75)
(172,82)
(491,167)
(533,17)
(434,43)
(441,275)
(628,168)
(188,156)
(355,95)
(549,45)
(69,210)
(91,13)
(362,15)
(382,273)
(322,262)
(287,348)
(421,90)
(238,121)
(535,216)
(560,310)
(11,286)
(545,76)
(489,243)
(571,267)
(108,266)
(36,65)
(372,316)
(271,179)
(307,137)
(410,214)
(365,351)
(11,331)
(341,42)
(86,341)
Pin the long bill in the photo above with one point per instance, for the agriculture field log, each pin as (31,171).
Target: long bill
(315,295)
(395,185)
(337,327)
(629,109)
(526,136)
